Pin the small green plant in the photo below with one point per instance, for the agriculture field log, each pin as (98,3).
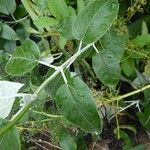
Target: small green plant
(77,68)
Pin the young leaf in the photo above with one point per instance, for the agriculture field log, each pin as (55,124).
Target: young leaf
(142,40)
(115,43)
(128,66)
(93,22)
(44,22)
(8,33)
(76,103)
(10,140)
(8,90)
(24,59)
(7,6)
(58,8)
(107,68)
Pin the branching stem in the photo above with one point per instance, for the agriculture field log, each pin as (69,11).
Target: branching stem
(24,109)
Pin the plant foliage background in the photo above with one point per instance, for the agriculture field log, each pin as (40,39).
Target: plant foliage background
(74,74)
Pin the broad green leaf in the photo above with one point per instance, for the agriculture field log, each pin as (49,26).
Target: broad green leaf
(9,46)
(24,58)
(7,6)
(128,66)
(107,68)
(44,22)
(76,103)
(67,142)
(114,43)
(8,90)
(10,140)
(65,27)
(94,21)
(8,33)
(58,8)
(142,40)
(80,5)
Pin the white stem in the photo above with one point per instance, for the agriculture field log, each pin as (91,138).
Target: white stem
(56,56)
(64,65)
(71,62)
(48,65)
(80,46)
(132,103)
(64,77)
(95,48)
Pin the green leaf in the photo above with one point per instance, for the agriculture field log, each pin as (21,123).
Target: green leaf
(67,142)
(7,6)
(128,66)
(94,21)
(44,22)
(142,40)
(144,117)
(8,33)
(135,28)
(80,5)
(9,46)
(8,90)
(54,85)
(58,8)
(76,103)
(24,59)
(10,140)
(127,142)
(72,11)
(65,27)
(115,43)
(144,28)
(2,57)
(107,68)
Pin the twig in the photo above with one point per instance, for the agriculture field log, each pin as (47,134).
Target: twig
(129,94)
(45,114)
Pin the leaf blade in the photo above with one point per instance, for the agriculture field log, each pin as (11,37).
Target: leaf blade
(24,59)
(93,22)
(77,105)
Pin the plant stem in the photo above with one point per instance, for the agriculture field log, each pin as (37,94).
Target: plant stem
(45,114)
(26,108)
(139,53)
(130,94)
(15,120)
